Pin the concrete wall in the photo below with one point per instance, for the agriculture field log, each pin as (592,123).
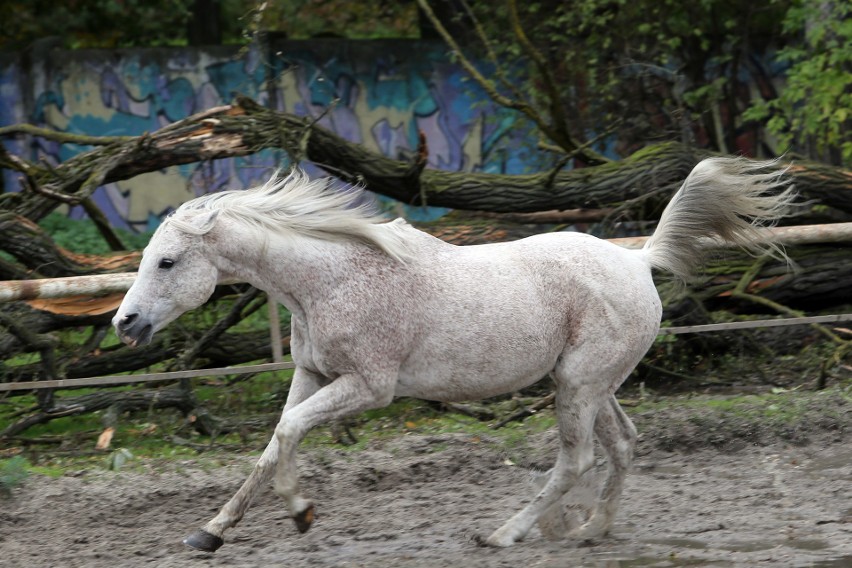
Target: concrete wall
(387,91)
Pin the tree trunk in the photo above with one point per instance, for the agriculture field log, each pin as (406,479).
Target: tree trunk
(819,278)
(204,27)
(34,249)
(126,401)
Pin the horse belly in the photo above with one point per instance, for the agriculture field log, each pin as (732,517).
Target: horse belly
(476,372)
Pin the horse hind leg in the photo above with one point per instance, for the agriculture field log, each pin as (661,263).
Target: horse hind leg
(576,408)
(587,510)
(572,510)
(617,437)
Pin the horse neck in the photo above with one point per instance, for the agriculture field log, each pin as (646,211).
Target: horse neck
(288,267)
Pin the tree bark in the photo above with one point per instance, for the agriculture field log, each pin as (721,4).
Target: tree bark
(32,248)
(127,401)
(819,277)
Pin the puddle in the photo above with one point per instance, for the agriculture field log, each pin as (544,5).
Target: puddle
(842,562)
(806,544)
(746,546)
(675,561)
(680,542)
(825,465)
(671,562)
(651,468)
(620,561)
(755,546)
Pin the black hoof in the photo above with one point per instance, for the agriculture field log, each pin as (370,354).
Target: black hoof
(304,520)
(203,540)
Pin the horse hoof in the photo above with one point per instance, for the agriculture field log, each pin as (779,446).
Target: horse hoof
(304,520)
(503,537)
(203,540)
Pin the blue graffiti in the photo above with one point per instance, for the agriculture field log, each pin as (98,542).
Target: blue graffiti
(382,94)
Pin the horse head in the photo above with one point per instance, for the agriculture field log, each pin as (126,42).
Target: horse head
(175,276)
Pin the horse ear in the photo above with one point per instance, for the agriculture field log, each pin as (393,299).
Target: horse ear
(204,222)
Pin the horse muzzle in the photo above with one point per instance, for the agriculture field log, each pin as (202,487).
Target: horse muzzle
(133,330)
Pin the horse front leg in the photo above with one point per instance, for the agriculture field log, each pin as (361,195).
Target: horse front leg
(211,537)
(345,396)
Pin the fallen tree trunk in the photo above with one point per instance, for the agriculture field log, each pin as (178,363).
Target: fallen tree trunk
(66,303)
(819,278)
(35,250)
(122,402)
(106,284)
(648,177)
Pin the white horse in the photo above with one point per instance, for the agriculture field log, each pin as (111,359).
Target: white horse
(381,310)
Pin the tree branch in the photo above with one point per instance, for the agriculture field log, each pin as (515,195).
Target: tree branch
(63,137)
(499,71)
(561,135)
(234,315)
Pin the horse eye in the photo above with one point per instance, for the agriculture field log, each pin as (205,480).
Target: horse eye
(166,263)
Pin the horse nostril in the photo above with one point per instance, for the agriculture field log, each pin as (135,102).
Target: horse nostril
(128,320)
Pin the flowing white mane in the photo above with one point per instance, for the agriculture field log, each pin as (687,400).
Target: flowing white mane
(298,205)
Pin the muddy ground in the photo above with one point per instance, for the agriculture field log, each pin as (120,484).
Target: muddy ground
(709,489)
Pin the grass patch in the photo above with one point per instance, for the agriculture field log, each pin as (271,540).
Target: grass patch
(414,417)
(673,423)
(47,471)
(780,404)
(13,472)
(793,416)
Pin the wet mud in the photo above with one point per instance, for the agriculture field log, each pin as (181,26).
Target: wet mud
(428,501)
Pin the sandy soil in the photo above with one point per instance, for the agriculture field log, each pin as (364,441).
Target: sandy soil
(426,501)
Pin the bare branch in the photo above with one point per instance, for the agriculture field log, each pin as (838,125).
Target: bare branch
(557,133)
(63,137)
(499,71)
(234,315)
(557,110)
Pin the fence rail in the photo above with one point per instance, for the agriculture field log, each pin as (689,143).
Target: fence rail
(176,375)
(148,377)
(753,324)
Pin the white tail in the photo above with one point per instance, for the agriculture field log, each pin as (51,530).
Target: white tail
(722,198)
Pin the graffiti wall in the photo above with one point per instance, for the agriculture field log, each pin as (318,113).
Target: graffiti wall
(377,93)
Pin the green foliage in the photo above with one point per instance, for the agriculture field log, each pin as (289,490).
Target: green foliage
(129,23)
(95,23)
(117,459)
(13,472)
(81,236)
(353,19)
(814,109)
(648,69)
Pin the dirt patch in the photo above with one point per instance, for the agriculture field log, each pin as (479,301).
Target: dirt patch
(722,498)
